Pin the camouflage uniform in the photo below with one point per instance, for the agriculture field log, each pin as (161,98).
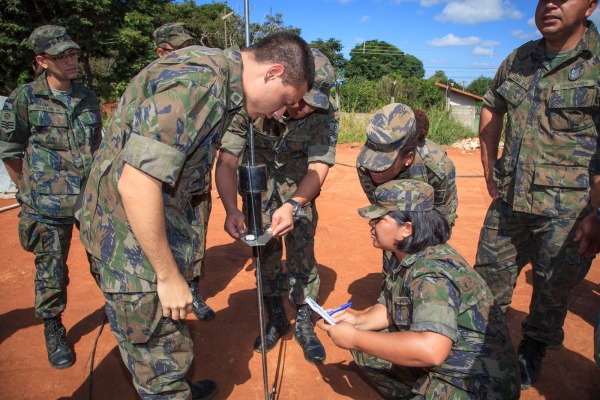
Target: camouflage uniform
(435,290)
(168,124)
(287,147)
(542,178)
(431,164)
(55,136)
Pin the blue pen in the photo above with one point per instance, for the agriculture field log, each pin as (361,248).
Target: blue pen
(340,308)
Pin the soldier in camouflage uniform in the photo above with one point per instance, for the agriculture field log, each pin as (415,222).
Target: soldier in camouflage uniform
(397,148)
(168,38)
(50,129)
(298,150)
(549,90)
(435,332)
(140,218)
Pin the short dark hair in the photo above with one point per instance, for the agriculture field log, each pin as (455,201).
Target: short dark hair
(289,50)
(422,123)
(430,228)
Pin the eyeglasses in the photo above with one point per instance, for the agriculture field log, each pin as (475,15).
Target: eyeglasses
(62,56)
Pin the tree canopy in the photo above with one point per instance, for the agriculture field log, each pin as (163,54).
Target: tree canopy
(480,86)
(374,59)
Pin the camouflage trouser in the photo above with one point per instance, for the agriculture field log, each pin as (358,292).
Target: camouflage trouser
(302,277)
(406,382)
(508,241)
(157,351)
(50,243)
(204,209)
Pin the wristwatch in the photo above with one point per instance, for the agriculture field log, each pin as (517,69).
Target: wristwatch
(598,213)
(296,206)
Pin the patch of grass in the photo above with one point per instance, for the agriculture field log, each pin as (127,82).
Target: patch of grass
(443,129)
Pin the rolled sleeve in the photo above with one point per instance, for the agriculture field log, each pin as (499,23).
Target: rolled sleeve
(156,159)
(9,151)
(435,307)
(321,153)
(233,143)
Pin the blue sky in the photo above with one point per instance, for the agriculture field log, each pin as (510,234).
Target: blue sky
(464,38)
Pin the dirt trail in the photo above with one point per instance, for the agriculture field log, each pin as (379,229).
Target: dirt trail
(350,271)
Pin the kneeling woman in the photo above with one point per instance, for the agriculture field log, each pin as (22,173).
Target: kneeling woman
(435,332)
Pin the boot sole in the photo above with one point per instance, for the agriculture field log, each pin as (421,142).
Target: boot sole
(62,366)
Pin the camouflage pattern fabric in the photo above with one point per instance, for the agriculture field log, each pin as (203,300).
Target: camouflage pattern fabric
(387,132)
(399,195)
(50,243)
(56,142)
(318,96)
(287,148)
(432,165)
(436,290)
(174,34)
(509,240)
(51,39)
(168,124)
(157,351)
(543,178)
(543,170)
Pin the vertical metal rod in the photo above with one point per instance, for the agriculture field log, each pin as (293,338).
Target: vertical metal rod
(255,249)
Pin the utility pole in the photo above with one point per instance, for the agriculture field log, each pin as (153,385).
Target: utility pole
(224,18)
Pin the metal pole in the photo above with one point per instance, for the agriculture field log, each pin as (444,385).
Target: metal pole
(255,249)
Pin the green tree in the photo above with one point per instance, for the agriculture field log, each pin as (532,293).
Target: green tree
(439,76)
(332,49)
(480,86)
(272,23)
(374,59)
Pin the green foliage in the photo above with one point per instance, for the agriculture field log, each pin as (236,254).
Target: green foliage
(374,59)
(361,95)
(445,130)
(332,49)
(480,86)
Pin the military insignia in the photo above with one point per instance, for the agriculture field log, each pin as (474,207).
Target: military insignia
(576,73)
(7,121)
(236,98)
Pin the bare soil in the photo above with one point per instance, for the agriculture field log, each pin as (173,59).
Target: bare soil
(349,269)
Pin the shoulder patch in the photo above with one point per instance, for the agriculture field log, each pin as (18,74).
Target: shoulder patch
(7,122)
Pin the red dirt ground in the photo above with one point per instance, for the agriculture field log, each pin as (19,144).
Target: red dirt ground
(350,271)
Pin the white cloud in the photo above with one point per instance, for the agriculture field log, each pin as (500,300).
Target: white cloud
(452,40)
(531,21)
(344,1)
(359,39)
(481,64)
(482,51)
(477,11)
(364,18)
(519,34)
(429,3)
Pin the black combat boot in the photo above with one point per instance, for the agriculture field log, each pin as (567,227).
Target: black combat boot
(201,310)
(306,338)
(531,354)
(203,390)
(59,354)
(277,326)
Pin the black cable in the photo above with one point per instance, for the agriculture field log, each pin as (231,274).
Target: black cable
(94,355)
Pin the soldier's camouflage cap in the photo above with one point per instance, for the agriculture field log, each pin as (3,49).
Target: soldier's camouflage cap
(387,132)
(400,195)
(318,96)
(172,33)
(51,39)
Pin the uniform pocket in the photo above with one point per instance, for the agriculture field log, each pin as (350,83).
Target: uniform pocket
(512,91)
(402,312)
(50,127)
(571,106)
(137,315)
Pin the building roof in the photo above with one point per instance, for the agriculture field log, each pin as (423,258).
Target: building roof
(455,90)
